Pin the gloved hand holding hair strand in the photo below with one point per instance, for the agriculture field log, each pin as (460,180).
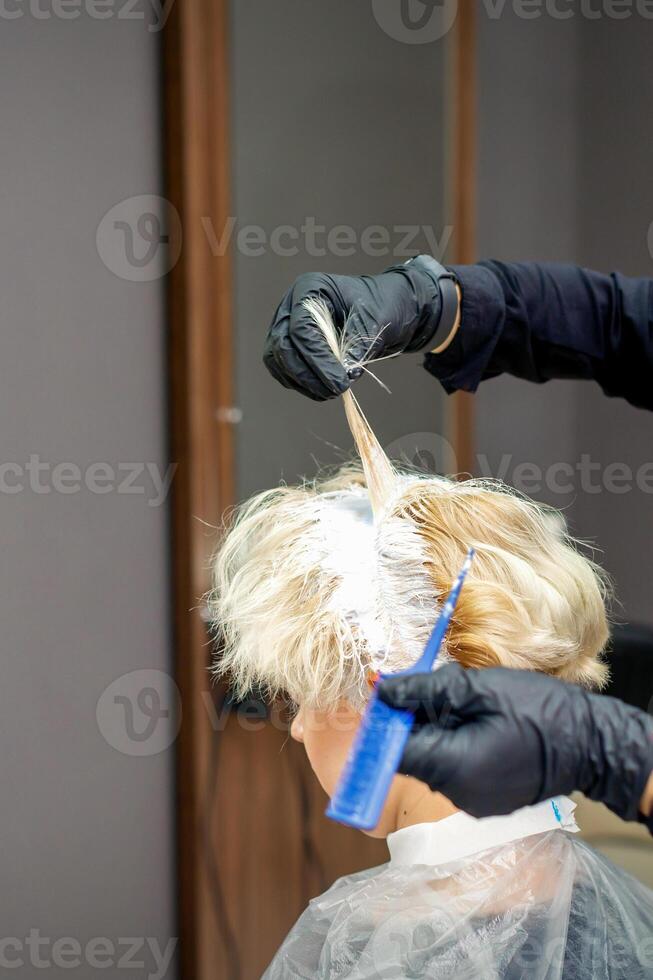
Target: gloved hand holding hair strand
(398,311)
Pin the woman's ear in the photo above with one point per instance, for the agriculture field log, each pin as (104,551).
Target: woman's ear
(297,726)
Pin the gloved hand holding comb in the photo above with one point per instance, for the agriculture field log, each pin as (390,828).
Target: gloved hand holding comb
(495,740)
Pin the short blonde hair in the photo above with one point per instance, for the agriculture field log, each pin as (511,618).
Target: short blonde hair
(319,585)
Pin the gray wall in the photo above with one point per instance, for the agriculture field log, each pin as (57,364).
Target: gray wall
(565,157)
(334,120)
(86,830)
(527,173)
(615,211)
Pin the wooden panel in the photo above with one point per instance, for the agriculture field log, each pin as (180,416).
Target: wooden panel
(200,390)
(463,189)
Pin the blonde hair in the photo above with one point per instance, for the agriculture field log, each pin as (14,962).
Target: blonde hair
(317,586)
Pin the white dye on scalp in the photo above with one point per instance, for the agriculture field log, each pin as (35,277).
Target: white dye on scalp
(373,563)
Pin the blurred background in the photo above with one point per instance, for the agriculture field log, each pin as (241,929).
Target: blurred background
(168,170)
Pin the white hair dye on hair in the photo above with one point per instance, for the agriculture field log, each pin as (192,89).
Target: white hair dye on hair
(347,525)
(320,584)
(384,587)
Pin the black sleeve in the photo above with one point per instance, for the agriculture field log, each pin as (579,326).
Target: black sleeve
(542,321)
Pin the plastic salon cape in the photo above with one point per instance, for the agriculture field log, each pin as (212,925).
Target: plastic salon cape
(516,898)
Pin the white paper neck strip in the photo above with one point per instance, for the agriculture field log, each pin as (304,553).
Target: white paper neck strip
(460,836)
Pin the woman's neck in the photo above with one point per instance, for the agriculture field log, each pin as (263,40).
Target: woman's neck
(416,803)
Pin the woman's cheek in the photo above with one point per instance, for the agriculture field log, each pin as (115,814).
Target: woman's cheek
(328,739)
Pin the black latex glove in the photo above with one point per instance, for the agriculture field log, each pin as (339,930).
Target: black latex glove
(495,740)
(398,310)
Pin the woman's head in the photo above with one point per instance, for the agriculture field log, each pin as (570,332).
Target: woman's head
(313,594)
(319,586)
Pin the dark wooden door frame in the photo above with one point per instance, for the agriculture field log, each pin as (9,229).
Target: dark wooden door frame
(463,134)
(197,155)
(201,371)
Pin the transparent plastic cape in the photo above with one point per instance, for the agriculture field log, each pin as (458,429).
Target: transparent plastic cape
(541,908)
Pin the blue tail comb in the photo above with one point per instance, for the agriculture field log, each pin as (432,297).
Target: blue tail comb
(381,738)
